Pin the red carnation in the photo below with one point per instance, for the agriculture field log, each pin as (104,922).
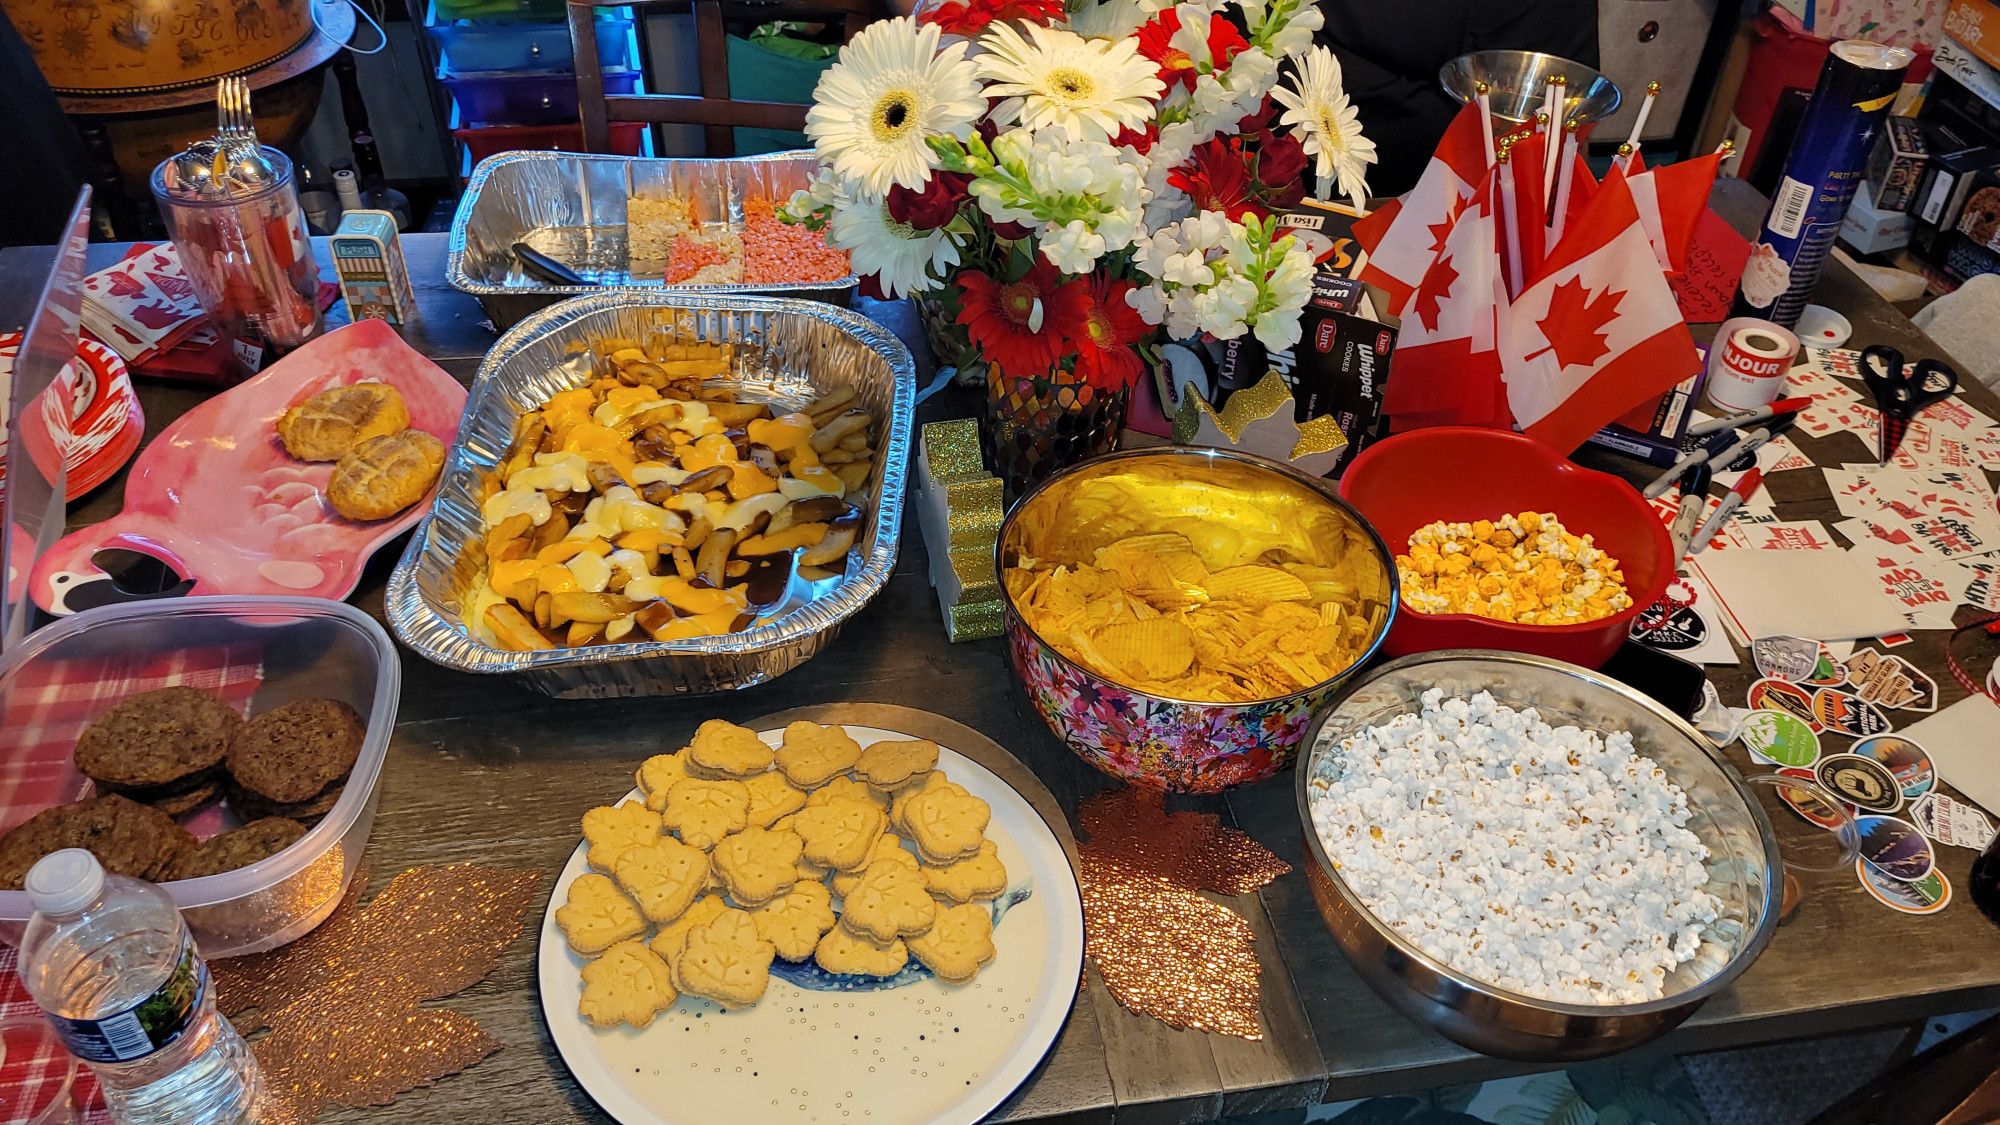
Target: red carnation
(1012,232)
(930,207)
(1281,160)
(1138,140)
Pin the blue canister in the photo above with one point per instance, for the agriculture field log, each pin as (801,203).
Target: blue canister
(1827,158)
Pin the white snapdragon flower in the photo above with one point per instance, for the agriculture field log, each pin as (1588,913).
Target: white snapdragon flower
(1073,247)
(1213,275)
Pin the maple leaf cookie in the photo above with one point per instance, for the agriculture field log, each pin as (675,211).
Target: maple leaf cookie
(796,920)
(813,755)
(901,799)
(663,877)
(839,834)
(979,876)
(772,797)
(946,822)
(723,749)
(597,915)
(958,944)
(667,943)
(889,847)
(612,829)
(841,952)
(757,865)
(629,984)
(703,812)
(848,789)
(889,766)
(889,902)
(725,960)
(660,773)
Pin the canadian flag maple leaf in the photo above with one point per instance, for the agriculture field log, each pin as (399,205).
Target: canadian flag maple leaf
(1438,281)
(1574,326)
(1441,231)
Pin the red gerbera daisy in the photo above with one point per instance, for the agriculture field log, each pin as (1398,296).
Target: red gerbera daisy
(970,17)
(1000,318)
(1156,42)
(1105,356)
(1216,179)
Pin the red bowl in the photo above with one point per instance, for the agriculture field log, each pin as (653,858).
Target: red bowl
(1462,473)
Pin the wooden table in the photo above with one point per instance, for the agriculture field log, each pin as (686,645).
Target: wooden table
(482,770)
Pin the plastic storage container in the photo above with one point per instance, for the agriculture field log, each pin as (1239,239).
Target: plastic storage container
(276,650)
(513,98)
(466,48)
(481,143)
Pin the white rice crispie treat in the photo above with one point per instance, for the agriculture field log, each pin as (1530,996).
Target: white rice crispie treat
(1548,861)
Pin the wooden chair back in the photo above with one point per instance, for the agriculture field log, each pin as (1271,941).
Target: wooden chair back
(712,108)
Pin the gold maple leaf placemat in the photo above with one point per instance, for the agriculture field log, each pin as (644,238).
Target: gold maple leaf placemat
(343,1005)
(1163,949)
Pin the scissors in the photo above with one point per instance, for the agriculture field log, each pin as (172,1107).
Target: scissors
(1901,394)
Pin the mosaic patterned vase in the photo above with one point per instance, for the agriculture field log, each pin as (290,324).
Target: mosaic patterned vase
(1034,427)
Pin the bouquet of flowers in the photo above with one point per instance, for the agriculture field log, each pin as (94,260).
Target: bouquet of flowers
(1064,182)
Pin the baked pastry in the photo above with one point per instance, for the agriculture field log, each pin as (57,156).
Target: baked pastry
(256,841)
(295,754)
(166,740)
(128,838)
(328,425)
(384,475)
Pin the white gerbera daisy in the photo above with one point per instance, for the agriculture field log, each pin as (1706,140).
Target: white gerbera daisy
(1318,107)
(1087,89)
(892,89)
(904,260)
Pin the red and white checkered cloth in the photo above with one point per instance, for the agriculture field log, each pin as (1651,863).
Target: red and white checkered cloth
(31,1077)
(43,707)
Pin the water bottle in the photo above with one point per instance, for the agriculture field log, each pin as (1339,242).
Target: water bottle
(117,974)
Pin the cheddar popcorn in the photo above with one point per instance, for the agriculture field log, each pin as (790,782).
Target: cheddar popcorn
(1526,568)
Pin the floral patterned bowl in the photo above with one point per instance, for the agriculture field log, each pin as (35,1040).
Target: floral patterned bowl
(1182,746)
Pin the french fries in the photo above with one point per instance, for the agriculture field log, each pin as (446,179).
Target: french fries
(653,503)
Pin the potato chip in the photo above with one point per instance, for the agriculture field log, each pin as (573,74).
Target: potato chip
(1257,584)
(1159,649)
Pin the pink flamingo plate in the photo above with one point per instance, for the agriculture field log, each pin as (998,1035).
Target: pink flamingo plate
(214,505)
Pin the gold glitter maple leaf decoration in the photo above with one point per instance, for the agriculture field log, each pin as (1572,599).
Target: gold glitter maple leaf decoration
(1162,949)
(343,1004)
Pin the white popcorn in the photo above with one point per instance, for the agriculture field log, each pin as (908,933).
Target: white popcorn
(1550,861)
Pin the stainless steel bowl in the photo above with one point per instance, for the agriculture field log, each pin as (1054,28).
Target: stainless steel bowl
(1519,80)
(1743,862)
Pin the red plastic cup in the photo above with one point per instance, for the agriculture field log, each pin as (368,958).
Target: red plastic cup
(1463,473)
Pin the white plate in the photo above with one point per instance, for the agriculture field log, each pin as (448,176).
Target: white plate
(919,1051)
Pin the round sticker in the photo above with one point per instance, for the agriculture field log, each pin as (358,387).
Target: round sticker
(1927,895)
(1676,629)
(1895,848)
(1790,698)
(1845,713)
(1780,738)
(1865,782)
(1808,803)
(1904,758)
(1785,658)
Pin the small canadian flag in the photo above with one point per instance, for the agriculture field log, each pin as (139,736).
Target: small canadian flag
(1447,365)
(1596,331)
(1403,238)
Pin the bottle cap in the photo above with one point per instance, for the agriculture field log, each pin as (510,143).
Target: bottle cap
(65,882)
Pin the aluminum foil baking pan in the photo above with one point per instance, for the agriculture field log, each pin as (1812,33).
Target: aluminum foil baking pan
(790,352)
(571,206)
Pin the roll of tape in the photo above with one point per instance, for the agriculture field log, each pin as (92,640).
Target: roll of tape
(1747,363)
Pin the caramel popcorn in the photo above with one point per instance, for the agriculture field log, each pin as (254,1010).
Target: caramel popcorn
(1525,568)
